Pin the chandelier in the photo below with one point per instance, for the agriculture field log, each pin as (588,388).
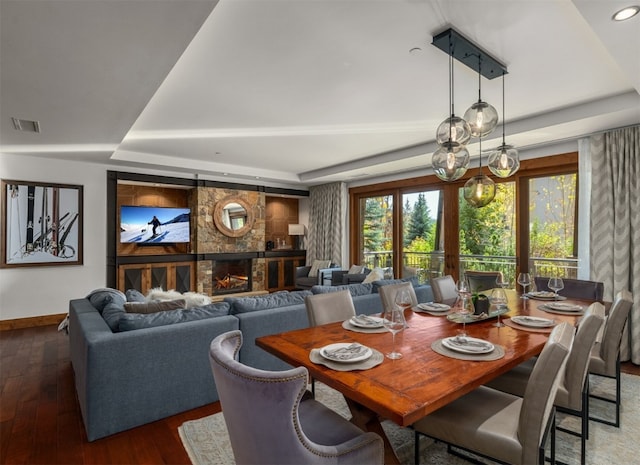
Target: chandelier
(451,160)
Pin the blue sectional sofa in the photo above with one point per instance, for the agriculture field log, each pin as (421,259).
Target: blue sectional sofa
(158,366)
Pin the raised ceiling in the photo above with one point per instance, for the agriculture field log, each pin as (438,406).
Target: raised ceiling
(301,92)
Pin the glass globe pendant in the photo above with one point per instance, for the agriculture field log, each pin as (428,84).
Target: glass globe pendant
(450,161)
(479,191)
(503,161)
(482,118)
(453,130)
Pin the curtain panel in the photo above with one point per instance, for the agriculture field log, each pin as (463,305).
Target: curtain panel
(326,204)
(615,223)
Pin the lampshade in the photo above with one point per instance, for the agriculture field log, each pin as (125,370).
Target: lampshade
(503,161)
(454,131)
(482,118)
(296,229)
(479,191)
(450,161)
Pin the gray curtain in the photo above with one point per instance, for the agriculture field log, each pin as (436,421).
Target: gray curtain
(325,222)
(615,223)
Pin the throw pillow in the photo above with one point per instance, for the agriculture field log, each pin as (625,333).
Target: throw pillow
(154,307)
(99,298)
(355,269)
(318,265)
(375,275)
(112,312)
(134,295)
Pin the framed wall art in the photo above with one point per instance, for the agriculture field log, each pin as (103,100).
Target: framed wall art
(41,224)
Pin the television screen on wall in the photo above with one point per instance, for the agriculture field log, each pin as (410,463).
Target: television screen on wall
(154,225)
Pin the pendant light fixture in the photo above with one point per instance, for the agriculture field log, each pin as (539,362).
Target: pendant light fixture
(504,160)
(480,190)
(451,160)
(482,117)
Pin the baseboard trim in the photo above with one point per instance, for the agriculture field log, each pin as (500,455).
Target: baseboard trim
(19,323)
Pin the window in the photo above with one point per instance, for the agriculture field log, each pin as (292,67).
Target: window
(423,226)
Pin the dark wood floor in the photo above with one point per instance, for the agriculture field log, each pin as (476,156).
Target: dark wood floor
(40,420)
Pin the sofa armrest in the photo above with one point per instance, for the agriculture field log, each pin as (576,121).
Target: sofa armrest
(337,277)
(324,275)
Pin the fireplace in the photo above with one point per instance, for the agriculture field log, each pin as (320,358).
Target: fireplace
(230,276)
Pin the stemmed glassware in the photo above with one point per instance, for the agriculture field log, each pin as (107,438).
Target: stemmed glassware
(466,306)
(556,284)
(403,300)
(498,299)
(393,320)
(524,279)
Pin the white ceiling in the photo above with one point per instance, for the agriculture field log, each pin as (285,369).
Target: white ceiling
(301,92)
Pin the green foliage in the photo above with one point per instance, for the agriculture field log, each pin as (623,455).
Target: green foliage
(419,223)
(377,225)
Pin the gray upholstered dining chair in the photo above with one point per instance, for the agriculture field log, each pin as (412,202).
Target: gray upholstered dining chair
(501,426)
(482,280)
(271,421)
(389,291)
(329,307)
(605,356)
(444,289)
(573,389)
(574,288)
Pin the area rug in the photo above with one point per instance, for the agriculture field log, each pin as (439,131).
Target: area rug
(207,443)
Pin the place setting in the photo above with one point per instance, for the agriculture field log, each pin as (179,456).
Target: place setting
(346,356)
(365,324)
(562,308)
(531,323)
(465,347)
(433,308)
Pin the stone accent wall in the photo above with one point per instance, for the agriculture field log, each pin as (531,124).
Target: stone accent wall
(207,239)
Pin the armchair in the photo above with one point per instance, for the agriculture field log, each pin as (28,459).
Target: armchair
(304,281)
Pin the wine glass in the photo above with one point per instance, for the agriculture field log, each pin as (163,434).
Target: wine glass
(498,299)
(393,320)
(502,282)
(556,284)
(466,306)
(524,279)
(403,300)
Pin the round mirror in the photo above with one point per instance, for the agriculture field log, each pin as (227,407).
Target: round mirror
(233,216)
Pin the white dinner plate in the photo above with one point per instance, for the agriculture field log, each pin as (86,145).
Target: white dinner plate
(533,321)
(342,352)
(468,345)
(365,321)
(564,307)
(434,307)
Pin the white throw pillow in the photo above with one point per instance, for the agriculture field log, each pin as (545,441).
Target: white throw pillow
(355,269)
(376,275)
(318,265)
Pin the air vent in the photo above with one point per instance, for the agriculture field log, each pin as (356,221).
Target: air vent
(26,125)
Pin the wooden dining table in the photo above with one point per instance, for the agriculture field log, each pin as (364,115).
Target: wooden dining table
(407,389)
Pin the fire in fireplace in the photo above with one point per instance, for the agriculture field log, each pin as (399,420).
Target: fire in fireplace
(231,276)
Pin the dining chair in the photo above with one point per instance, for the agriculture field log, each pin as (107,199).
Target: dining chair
(482,280)
(573,389)
(271,420)
(605,355)
(329,307)
(444,290)
(499,425)
(389,291)
(574,288)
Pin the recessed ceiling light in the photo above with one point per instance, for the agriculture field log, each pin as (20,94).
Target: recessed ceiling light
(626,13)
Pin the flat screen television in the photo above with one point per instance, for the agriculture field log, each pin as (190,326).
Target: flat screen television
(154,225)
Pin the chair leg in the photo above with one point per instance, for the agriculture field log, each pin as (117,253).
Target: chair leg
(416,448)
(617,401)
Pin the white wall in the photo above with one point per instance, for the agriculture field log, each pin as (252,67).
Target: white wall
(46,290)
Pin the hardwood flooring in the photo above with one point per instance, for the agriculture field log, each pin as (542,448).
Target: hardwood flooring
(40,421)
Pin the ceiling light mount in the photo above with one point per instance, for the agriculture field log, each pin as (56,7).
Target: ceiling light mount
(626,13)
(465,51)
